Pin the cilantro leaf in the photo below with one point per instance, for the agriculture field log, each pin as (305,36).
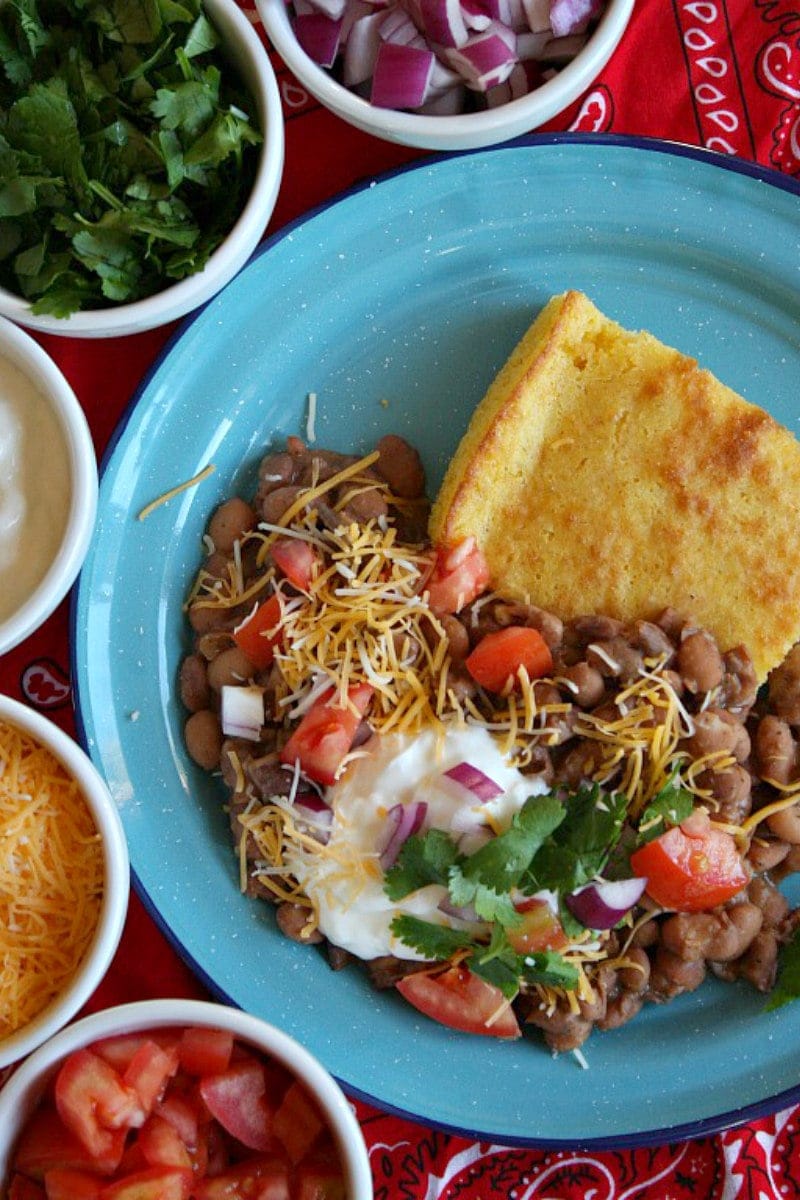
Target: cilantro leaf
(423,859)
(787,987)
(485,878)
(437,942)
(581,845)
(669,807)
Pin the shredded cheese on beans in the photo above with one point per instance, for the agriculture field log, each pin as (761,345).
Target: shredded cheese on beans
(51,878)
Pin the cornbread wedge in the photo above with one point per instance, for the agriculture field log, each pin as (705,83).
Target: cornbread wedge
(606,472)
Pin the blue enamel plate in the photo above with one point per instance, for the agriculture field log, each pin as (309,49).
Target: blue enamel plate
(396,305)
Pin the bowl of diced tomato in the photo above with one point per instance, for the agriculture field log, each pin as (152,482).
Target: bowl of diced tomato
(177,1100)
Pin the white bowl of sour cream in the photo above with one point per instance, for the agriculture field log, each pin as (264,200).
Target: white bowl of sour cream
(48,486)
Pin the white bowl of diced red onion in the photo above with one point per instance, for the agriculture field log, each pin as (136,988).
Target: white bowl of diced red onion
(445,74)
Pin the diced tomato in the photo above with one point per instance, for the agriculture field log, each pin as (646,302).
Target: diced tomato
(65,1183)
(255,1178)
(297,1123)
(182,1113)
(691,871)
(325,734)
(462,1000)
(237,1099)
(93,1101)
(260,633)
(46,1142)
(155,1183)
(540,928)
(319,1180)
(160,1144)
(297,560)
(23,1188)
(498,657)
(460,574)
(150,1070)
(205,1051)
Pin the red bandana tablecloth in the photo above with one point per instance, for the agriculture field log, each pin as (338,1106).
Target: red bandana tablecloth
(723,74)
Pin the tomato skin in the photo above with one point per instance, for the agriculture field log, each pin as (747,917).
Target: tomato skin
(46,1142)
(205,1051)
(297,1122)
(540,928)
(461,1000)
(150,1070)
(498,657)
(325,735)
(253,1179)
(93,1101)
(260,633)
(23,1188)
(154,1183)
(297,560)
(66,1183)
(690,873)
(460,574)
(161,1146)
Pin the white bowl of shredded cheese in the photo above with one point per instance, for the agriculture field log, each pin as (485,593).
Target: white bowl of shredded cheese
(48,486)
(64,879)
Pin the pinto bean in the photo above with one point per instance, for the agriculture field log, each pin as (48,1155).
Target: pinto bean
(717,731)
(652,640)
(203,737)
(739,683)
(579,765)
(401,466)
(363,505)
(731,792)
(736,928)
(457,637)
(784,688)
(636,977)
(563,1029)
(193,683)
(688,935)
(772,903)
(274,471)
(775,751)
(292,920)
(229,668)
(621,1009)
(586,686)
(786,824)
(230,522)
(274,504)
(615,658)
(672,622)
(206,618)
(595,627)
(759,964)
(672,975)
(767,853)
(209,645)
(646,934)
(540,763)
(700,662)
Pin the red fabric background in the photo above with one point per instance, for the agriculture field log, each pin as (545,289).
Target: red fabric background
(724,74)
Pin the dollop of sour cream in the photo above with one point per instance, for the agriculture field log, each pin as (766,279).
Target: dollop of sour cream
(345,881)
(35,487)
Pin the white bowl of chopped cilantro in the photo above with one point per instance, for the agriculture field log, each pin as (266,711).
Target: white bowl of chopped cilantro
(446,74)
(141,152)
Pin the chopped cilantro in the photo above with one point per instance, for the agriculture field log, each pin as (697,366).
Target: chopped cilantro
(436,942)
(126,151)
(787,987)
(423,859)
(669,807)
(580,846)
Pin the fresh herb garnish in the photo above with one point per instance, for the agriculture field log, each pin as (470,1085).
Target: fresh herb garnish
(668,807)
(126,151)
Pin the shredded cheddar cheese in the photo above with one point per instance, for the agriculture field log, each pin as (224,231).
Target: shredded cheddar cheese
(51,878)
(175,491)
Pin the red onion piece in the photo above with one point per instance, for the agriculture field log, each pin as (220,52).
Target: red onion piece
(571,16)
(319,36)
(242,711)
(474,781)
(603,905)
(402,75)
(403,820)
(484,61)
(310,807)
(362,47)
(442,22)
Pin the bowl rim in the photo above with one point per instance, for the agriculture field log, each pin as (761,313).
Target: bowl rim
(178,299)
(25,1086)
(114,906)
(28,356)
(451,131)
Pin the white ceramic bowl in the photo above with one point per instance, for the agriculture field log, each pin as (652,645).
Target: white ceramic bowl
(20,1095)
(31,360)
(464,131)
(251,60)
(114,905)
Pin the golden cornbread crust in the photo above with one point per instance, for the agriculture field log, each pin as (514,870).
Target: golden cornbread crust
(606,472)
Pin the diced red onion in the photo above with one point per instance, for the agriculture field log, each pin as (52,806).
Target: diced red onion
(473,780)
(362,47)
(442,22)
(402,821)
(537,14)
(570,16)
(242,711)
(402,75)
(397,27)
(531,45)
(446,103)
(475,15)
(319,816)
(561,50)
(484,61)
(603,905)
(319,36)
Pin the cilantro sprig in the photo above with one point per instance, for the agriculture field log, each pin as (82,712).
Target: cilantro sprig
(126,149)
